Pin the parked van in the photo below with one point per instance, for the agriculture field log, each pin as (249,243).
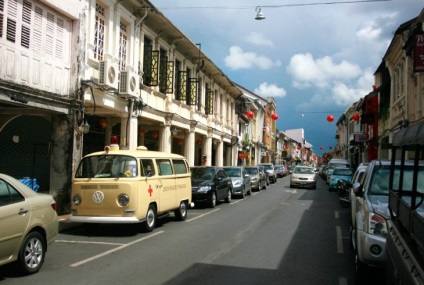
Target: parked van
(335,162)
(130,186)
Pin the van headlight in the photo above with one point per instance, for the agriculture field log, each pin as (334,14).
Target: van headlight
(377,225)
(76,200)
(123,200)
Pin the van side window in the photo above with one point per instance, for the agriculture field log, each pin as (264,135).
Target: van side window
(180,166)
(147,168)
(164,167)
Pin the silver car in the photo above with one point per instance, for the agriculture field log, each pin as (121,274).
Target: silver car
(242,184)
(257,177)
(303,176)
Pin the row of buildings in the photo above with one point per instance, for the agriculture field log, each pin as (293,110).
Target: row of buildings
(75,73)
(366,129)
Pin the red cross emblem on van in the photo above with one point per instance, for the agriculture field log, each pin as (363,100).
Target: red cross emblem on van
(150,190)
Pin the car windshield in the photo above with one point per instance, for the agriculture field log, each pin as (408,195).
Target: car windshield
(344,172)
(380,180)
(233,172)
(203,173)
(252,170)
(268,167)
(105,166)
(303,170)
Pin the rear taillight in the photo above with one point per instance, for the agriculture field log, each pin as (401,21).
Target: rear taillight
(53,204)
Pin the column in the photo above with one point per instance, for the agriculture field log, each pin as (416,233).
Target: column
(207,151)
(133,133)
(219,153)
(190,147)
(165,138)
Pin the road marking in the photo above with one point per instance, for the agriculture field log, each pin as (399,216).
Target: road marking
(336,214)
(339,240)
(294,191)
(205,214)
(291,204)
(236,201)
(89,242)
(113,250)
(342,281)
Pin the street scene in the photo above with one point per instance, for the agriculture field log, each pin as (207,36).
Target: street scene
(148,142)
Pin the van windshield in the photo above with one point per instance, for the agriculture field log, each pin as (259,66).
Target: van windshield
(106,166)
(380,180)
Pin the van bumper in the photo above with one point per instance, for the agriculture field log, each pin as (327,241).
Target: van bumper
(371,249)
(104,220)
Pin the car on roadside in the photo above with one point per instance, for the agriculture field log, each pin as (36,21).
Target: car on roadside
(269,169)
(290,169)
(334,162)
(303,176)
(370,215)
(210,184)
(242,184)
(257,177)
(279,170)
(339,173)
(29,224)
(262,169)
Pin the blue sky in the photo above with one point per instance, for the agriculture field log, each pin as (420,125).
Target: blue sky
(315,60)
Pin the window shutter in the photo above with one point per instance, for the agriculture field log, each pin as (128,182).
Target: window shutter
(162,73)
(192,92)
(26,24)
(182,86)
(155,68)
(59,39)
(147,65)
(37,30)
(209,102)
(11,20)
(1,17)
(48,48)
(169,77)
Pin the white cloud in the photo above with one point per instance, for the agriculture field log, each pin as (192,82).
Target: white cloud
(307,71)
(259,39)
(239,59)
(266,90)
(369,33)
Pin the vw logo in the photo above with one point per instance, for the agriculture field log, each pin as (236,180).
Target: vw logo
(98,197)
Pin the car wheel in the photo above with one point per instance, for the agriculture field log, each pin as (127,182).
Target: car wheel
(291,186)
(360,270)
(250,191)
(213,200)
(150,222)
(181,212)
(32,253)
(264,187)
(243,194)
(228,199)
(314,187)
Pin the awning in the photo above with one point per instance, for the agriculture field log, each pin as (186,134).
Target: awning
(409,136)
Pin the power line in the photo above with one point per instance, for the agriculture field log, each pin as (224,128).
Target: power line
(273,6)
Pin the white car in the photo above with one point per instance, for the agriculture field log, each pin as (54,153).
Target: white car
(29,223)
(303,176)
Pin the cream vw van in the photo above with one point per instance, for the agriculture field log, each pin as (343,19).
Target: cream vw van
(124,186)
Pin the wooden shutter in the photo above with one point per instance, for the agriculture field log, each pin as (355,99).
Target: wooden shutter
(209,102)
(169,77)
(192,92)
(182,86)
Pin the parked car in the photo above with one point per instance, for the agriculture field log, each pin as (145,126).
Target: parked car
(29,224)
(290,169)
(335,162)
(257,177)
(241,180)
(344,173)
(303,176)
(262,169)
(323,171)
(269,168)
(210,184)
(279,170)
(370,215)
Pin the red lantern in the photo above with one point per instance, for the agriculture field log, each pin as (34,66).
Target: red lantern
(180,141)
(330,118)
(141,132)
(287,147)
(103,123)
(274,117)
(199,141)
(321,147)
(298,147)
(155,135)
(355,117)
(374,87)
(250,114)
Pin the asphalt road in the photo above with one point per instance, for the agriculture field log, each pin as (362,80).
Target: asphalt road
(275,236)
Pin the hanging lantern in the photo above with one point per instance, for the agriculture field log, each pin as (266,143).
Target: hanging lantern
(250,114)
(355,117)
(298,147)
(155,135)
(321,147)
(330,147)
(198,141)
(287,147)
(103,123)
(374,87)
(180,141)
(141,132)
(274,117)
(330,118)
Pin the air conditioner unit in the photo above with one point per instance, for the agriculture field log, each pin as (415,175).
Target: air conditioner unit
(129,84)
(108,74)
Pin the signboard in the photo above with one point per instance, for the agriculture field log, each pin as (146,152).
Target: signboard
(243,155)
(419,52)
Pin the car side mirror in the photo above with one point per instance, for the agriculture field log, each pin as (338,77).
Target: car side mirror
(357,189)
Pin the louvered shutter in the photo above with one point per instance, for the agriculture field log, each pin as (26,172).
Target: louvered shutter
(182,86)
(192,92)
(209,102)
(169,77)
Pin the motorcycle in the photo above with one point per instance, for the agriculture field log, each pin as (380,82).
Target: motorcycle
(343,189)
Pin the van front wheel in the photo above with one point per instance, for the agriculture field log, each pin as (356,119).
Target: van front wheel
(181,212)
(150,222)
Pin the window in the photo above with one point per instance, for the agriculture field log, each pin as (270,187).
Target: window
(99,32)
(147,168)
(8,194)
(150,64)
(123,45)
(209,102)
(164,167)
(180,166)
